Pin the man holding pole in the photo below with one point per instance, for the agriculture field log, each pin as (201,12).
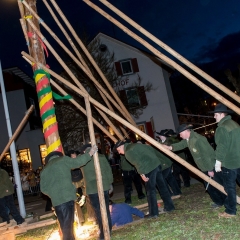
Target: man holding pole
(148,165)
(227,154)
(90,182)
(56,182)
(204,157)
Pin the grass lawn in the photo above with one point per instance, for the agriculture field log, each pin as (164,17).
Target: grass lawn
(193,219)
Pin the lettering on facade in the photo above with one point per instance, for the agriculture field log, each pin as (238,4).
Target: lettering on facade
(121,83)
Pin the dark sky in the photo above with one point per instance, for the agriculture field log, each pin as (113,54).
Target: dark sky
(203,31)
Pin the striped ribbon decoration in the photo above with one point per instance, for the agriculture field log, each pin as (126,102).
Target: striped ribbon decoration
(47,110)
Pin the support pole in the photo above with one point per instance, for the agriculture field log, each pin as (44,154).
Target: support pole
(17,131)
(98,172)
(166,59)
(171,51)
(12,149)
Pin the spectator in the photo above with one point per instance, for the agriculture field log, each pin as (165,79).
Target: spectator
(7,200)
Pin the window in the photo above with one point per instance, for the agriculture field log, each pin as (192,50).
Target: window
(43,152)
(127,66)
(134,97)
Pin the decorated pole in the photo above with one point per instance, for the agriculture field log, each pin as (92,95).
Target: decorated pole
(66,68)
(139,132)
(44,92)
(171,51)
(166,59)
(98,172)
(17,131)
(126,114)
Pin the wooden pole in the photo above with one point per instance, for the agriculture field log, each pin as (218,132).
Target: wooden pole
(98,172)
(70,72)
(166,59)
(29,58)
(127,114)
(139,132)
(81,64)
(17,131)
(50,127)
(85,70)
(171,51)
(104,130)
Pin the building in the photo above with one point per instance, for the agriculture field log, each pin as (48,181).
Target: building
(135,69)
(30,143)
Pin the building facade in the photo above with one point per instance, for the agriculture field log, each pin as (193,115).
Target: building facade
(137,69)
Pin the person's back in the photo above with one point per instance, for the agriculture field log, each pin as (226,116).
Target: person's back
(121,214)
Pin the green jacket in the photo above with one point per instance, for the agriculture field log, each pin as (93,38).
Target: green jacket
(227,138)
(171,140)
(89,175)
(6,186)
(164,160)
(202,152)
(142,156)
(56,180)
(125,164)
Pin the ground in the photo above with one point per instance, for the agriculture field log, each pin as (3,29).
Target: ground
(193,219)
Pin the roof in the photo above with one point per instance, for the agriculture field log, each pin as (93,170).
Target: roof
(18,72)
(147,53)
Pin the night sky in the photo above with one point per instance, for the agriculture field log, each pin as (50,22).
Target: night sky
(203,31)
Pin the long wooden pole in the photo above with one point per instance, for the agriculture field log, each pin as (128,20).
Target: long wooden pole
(29,58)
(82,66)
(166,59)
(98,172)
(17,131)
(50,127)
(138,131)
(171,51)
(127,114)
(104,130)
(71,74)
(78,54)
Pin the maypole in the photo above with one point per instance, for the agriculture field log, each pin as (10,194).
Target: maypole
(42,78)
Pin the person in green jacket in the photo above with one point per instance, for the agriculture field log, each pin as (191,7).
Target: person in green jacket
(227,155)
(204,157)
(167,163)
(90,182)
(6,199)
(56,182)
(130,175)
(148,165)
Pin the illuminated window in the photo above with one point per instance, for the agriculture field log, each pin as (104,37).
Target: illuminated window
(43,152)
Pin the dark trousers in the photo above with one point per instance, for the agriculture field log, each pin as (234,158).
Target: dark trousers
(7,204)
(171,181)
(128,178)
(229,182)
(156,179)
(217,196)
(179,169)
(65,215)
(94,200)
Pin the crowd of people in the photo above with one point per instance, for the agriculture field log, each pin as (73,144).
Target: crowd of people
(68,180)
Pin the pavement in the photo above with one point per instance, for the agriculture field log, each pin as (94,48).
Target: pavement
(35,205)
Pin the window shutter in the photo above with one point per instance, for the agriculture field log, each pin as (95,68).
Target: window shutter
(118,68)
(149,129)
(142,96)
(134,65)
(123,96)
